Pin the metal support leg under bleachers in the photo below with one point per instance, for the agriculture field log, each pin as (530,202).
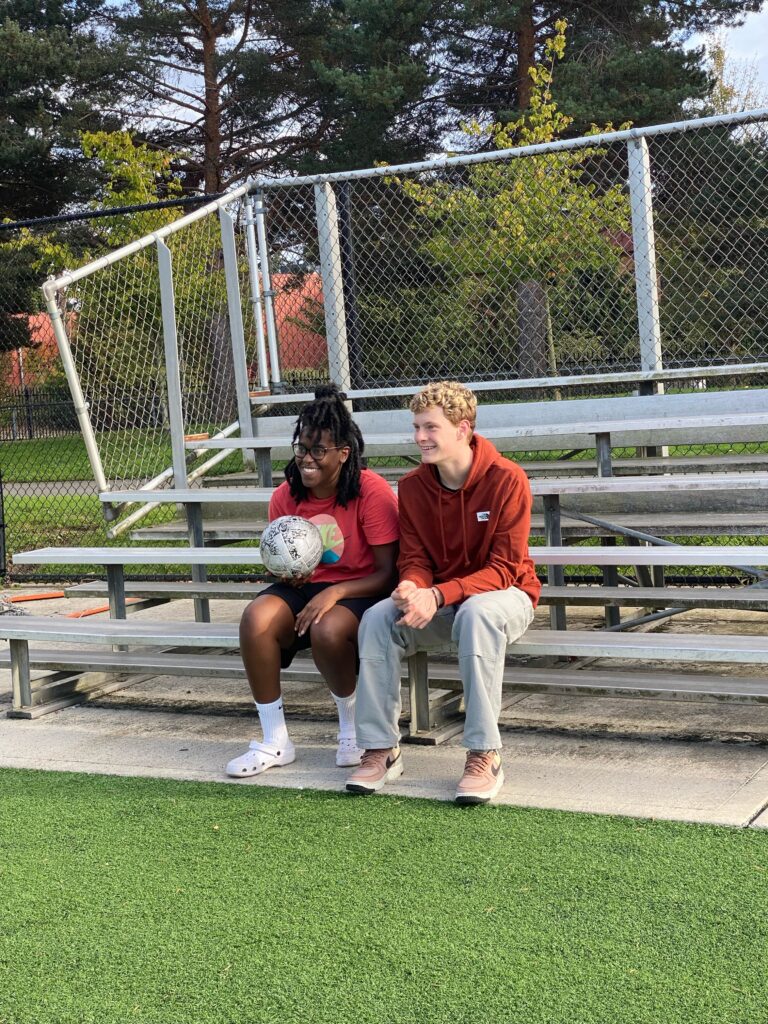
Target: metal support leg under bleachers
(433,719)
(194,512)
(264,467)
(612,613)
(20,677)
(116,589)
(555,573)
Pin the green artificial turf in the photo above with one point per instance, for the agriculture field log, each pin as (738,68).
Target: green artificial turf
(156,901)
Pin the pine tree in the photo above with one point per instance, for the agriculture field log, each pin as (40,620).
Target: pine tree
(375,74)
(625,60)
(56,80)
(247,86)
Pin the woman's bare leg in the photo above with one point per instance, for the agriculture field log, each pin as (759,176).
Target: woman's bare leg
(334,648)
(266,628)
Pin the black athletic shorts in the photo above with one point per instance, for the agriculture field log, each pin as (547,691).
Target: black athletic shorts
(298,598)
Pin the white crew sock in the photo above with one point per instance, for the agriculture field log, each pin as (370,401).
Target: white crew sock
(346,709)
(272,720)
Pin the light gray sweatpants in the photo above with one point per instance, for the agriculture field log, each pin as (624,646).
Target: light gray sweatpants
(480,627)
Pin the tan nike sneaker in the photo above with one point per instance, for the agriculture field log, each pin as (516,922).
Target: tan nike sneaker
(376,768)
(482,779)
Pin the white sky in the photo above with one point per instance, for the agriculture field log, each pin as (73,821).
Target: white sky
(749,42)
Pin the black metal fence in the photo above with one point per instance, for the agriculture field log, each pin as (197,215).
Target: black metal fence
(28,414)
(3,561)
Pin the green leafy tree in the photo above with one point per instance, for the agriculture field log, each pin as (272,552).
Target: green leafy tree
(127,174)
(736,83)
(519,236)
(117,331)
(133,174)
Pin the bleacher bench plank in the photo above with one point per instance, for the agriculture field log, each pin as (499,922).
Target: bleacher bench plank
(630,466)
(744,463)
(668,554)
(688,375)
(662,524)
(193,495)
(541,487)
(171,589)
(20,631)
(661,429)
(114,631)
(658,597)
(604,495)
(643,646)
(115,559)
(752,599)
(663,685)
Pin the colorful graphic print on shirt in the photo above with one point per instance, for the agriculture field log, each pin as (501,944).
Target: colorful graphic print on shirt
(333,538)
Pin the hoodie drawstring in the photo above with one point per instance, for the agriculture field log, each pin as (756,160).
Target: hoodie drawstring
(463,529)
(440,499)
(442,526)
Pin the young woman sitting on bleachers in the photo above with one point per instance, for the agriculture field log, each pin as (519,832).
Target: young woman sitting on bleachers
(356,512)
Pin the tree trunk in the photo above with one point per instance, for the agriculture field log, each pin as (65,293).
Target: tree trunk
(212,115)
(533,330)
(526,55)
(221,399)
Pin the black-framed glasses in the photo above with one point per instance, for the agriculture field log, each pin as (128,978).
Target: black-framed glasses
(317,451)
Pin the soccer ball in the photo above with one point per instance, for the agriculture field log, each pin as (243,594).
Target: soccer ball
(291,547)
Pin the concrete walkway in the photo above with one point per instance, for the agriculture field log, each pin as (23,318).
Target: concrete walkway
(644,758)
(690,781)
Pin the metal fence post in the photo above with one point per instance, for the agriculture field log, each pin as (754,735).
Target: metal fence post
(260,211)
(333,290)
(256,300)
(349,282)
(646,282)
(237,334)
(172,373)
(73,379)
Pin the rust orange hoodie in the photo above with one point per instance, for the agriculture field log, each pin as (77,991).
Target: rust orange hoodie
(472,540)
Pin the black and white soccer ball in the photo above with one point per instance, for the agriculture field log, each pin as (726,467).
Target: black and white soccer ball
(291,547)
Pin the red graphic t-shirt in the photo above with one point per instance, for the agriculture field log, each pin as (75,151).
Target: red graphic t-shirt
(348,533)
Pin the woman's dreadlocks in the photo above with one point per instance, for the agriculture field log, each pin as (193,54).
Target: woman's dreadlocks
(328,412)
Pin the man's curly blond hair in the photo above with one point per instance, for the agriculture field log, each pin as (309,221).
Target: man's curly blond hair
(457,401)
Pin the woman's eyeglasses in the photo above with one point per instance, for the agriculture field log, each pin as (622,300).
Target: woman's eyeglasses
(317,451)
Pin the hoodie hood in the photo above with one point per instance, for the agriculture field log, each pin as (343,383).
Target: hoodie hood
(484,455)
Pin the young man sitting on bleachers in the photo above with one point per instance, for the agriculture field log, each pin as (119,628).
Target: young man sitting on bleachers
(465,577)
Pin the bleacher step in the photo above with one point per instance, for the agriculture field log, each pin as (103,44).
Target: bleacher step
(442,675)
(691,524)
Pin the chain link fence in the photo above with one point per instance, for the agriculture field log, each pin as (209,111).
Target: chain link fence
(625,254)
(635,253)
(49,490)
